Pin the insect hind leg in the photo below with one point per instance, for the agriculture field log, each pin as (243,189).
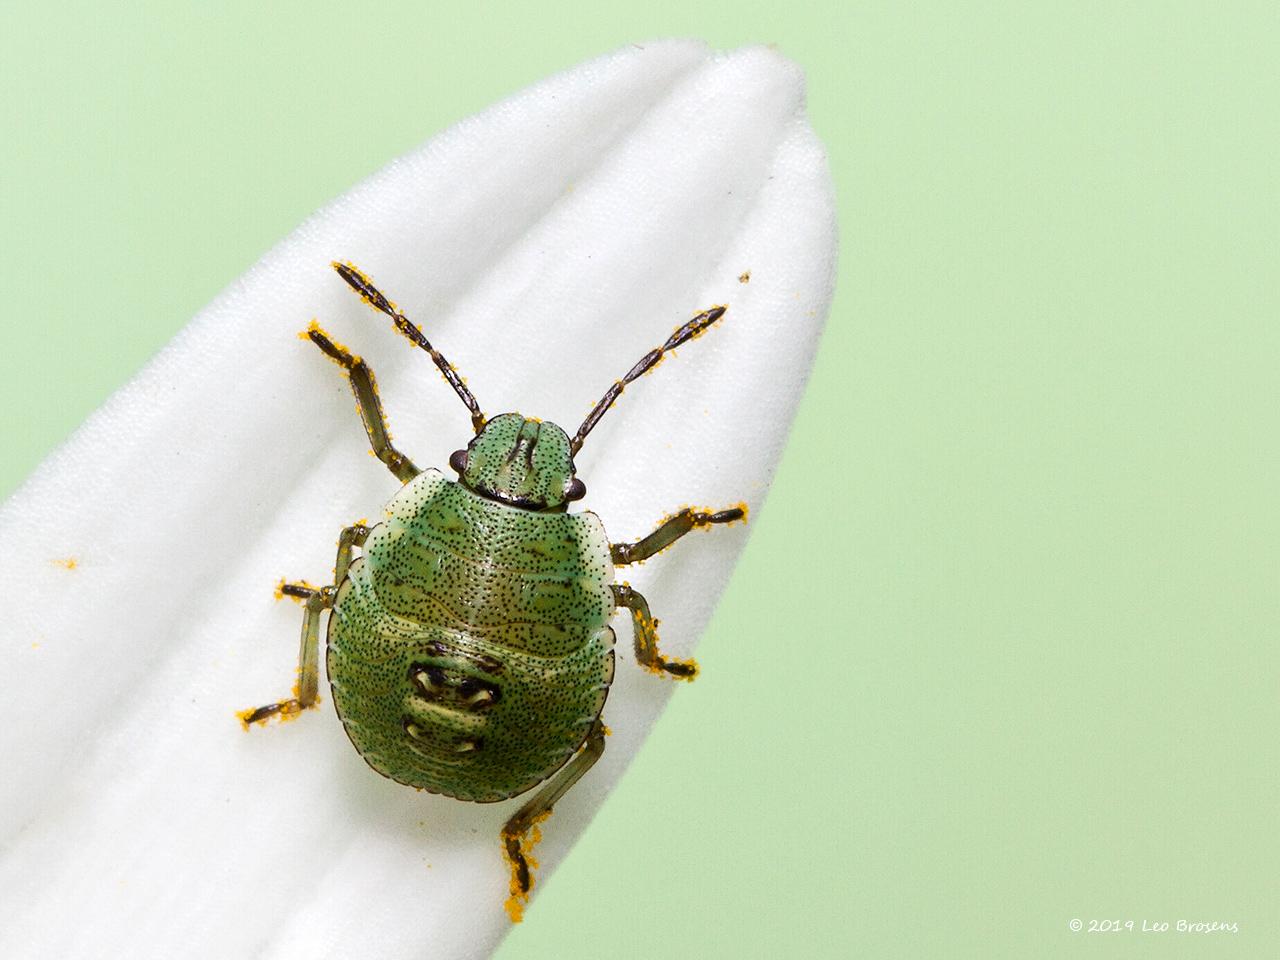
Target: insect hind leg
(521,832)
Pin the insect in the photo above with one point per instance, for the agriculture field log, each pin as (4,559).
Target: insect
(468,647)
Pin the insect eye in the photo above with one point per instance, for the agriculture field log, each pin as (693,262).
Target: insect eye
(576,490)
(458,460)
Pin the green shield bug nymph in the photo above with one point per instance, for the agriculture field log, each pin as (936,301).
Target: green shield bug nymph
(469,650)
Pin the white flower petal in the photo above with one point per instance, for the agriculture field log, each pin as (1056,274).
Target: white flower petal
(544,245)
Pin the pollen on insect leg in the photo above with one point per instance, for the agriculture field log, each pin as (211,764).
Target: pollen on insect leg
(336,351)
(285,710)
(675,667)
(705,516)
(298,590)
(518,849)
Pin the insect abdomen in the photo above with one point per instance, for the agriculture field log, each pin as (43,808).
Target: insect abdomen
(469,650)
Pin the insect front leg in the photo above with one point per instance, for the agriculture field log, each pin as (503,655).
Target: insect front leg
(646,636)
(365,387)
(315,600)
(671,530)
(521,834)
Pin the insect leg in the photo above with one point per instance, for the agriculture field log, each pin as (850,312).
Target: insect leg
(646,635)
(514,834)
(316,600)
(352,536)
(365,387)
(671,530)
(304,691)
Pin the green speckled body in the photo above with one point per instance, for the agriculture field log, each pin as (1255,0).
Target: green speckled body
(469,649)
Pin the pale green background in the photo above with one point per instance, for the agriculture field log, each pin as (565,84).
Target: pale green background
(1003,649)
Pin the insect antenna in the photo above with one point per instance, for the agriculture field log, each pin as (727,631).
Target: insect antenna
(375,298)
(693,328)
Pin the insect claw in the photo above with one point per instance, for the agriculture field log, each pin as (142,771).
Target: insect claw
(681,669)
(728,516)
(298,591)
(250,717)
(260,714)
